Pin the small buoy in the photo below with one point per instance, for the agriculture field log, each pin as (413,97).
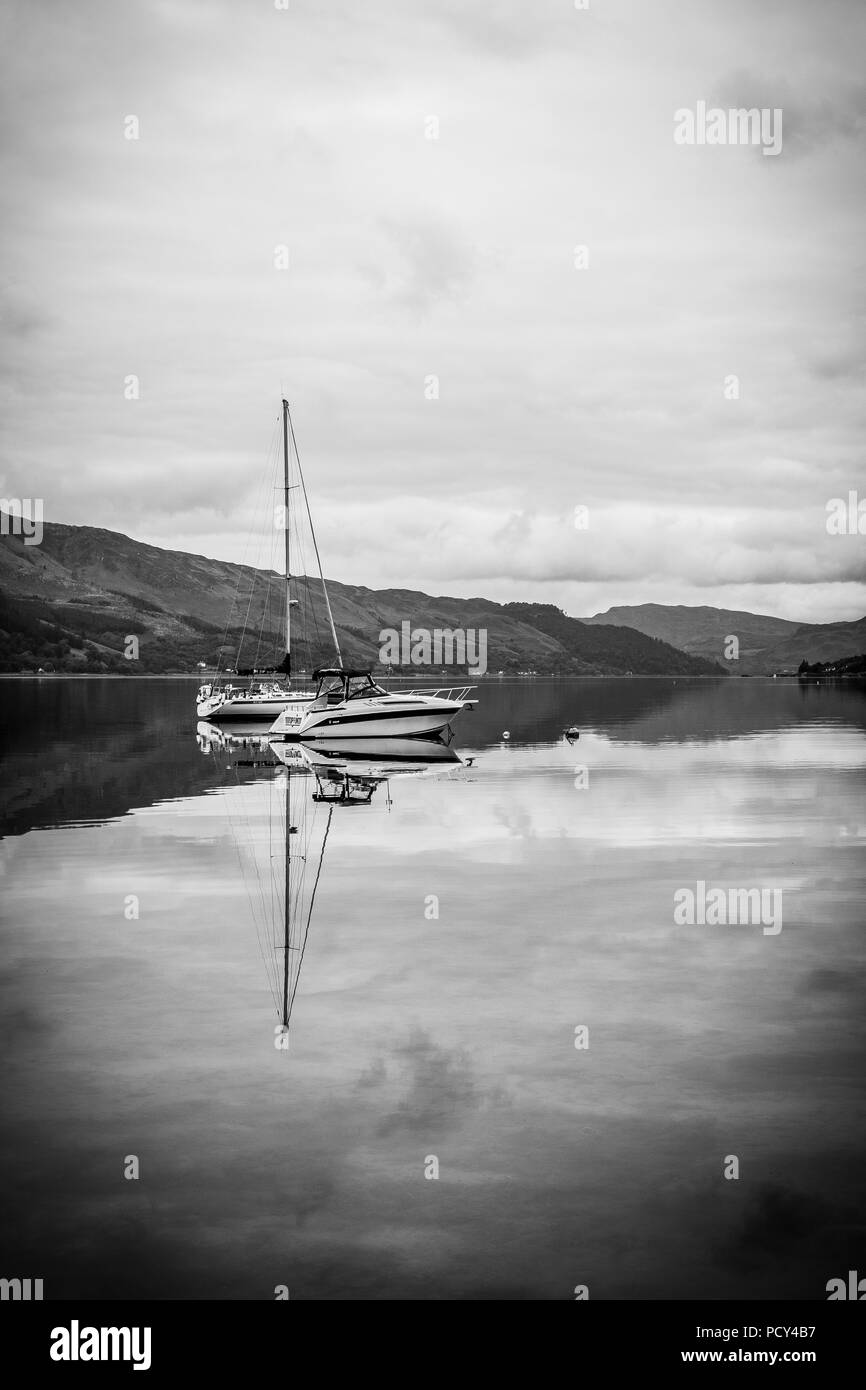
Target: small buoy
(506,734)
(572,732)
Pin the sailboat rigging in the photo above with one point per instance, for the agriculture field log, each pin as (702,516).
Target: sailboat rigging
(279,801)
(270,691)
(346,703)
(293,950)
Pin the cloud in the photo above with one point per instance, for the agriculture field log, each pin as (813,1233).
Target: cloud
(438,1088)
(454,257)
(833,983)
(781,1223)
(501,29)
(422,266)
(811,120)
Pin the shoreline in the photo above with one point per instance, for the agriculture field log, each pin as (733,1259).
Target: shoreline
(479,680)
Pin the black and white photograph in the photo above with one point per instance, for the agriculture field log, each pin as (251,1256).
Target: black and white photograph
(433,664)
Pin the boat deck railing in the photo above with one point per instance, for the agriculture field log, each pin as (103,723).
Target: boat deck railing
(453,692)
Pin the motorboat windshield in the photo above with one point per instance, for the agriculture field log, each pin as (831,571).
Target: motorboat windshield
(338,686)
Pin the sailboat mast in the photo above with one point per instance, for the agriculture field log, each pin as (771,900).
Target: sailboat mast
(313,534)
(286,522)
(287,901)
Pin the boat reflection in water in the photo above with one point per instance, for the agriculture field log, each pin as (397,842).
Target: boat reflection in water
(348,773)
(218,741)
(280,799)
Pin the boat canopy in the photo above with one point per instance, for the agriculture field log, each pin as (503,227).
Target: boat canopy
(336,684)
(349,672)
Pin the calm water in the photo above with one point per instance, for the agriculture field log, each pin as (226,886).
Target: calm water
(414,1036)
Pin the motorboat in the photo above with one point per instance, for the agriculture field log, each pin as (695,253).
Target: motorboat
(349,704)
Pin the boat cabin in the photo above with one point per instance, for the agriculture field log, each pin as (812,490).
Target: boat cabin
(336,686)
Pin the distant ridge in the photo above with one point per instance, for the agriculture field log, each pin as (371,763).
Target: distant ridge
(766,645)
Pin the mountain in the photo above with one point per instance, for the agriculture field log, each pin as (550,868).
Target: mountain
(613,647)
(72,602)
(699,630)
(767,645)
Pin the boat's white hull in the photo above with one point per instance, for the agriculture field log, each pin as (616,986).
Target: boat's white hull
(250,708)
(390,717)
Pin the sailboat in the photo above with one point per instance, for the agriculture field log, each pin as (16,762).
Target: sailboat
(269,691)
(347,703)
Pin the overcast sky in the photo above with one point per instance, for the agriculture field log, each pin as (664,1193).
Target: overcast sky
(411,257)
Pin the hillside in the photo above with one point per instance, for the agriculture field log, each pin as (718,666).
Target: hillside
(600,648)
(69,604)
(851,668)
(767,644)
(815,642)
(699,630)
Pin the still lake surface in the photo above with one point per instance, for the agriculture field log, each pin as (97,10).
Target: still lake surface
(414,1036)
